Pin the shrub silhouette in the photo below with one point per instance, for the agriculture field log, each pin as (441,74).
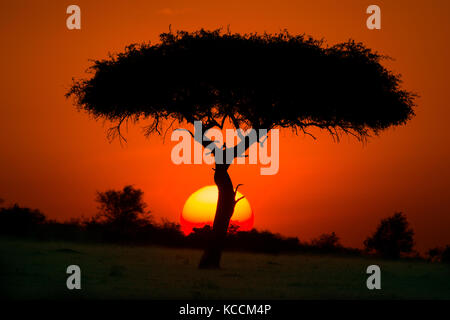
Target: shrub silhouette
(327,242)
(261,241)
(392,237)
(123,207)
(435,254)
(445,257)
(16,220)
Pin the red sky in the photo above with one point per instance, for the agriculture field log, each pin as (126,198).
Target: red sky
(55,158)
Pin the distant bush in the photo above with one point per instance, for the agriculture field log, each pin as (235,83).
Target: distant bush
(328,242)
(124,207)
(434,254)
(268,242)
(123,218)
(392,237)
(254,241)
(439,254)
(261,241)
(445,258)
(16,220)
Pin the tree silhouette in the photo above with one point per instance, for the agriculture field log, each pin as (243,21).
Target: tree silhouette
(392,237)
(327,242)
(249,81)
(122,208)
(16,220)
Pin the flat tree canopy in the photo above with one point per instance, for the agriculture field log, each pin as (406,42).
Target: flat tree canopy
(262,81)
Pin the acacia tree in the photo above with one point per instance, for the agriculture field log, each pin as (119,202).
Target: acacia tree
(250,81)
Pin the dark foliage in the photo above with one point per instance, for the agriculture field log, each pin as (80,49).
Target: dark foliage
(24,222)
(446,255)
(392,237)
(327,242)
(440,254)
(259,81)
(268,242)
(122,214)
(434,253)
(112,225)
(262,241)
(124,207)
(16,220)
(254,241)
(252,81)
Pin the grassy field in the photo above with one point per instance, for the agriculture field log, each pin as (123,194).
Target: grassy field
(37,270)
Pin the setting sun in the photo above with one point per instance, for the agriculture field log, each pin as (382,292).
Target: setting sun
(200,208)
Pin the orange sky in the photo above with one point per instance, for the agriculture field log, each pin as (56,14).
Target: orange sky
(54,158)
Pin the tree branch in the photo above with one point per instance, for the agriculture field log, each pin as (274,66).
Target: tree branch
(115,131)
(236,201)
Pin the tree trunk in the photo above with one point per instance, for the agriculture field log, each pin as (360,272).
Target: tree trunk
(225,208)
